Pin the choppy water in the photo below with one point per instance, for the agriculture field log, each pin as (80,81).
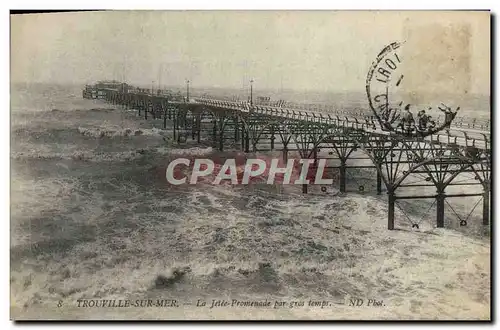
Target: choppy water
(92,217)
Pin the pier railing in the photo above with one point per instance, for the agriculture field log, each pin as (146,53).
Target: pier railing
(475,134)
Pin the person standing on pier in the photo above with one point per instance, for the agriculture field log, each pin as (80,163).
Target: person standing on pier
(449,115)
(423,120)
(407,121)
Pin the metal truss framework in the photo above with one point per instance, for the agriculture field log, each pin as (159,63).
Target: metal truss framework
(437,159)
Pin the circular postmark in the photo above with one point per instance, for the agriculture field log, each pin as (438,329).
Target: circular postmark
(383,88)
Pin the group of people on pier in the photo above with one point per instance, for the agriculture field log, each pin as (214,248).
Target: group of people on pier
(424,122)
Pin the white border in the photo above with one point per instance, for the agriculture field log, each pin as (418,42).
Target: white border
(258,4)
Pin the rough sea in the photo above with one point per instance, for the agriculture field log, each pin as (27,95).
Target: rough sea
(92,217)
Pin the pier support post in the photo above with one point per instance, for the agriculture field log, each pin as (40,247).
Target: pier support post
(304,188)
(236,130)
(486,205)
(193,127)
(175,127)
(342,175)
(440,208)
(243,132)
(285,154)
(272,137)
(247,141)
(198,128)
(390,213)
(214,132)
(165,110)
(379,183)
(221,134)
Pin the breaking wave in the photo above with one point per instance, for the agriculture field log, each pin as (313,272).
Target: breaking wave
(101,132)
(195,151)
(79,155)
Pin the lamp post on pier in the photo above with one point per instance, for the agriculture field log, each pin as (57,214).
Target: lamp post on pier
(251,92)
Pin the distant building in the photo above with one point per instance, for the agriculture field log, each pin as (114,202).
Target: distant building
(109,84)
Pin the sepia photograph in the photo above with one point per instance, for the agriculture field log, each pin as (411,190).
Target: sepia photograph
(250,165)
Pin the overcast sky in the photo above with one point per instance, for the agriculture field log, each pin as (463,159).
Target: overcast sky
(295,50)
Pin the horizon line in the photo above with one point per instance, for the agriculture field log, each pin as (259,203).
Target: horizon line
(194,87)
